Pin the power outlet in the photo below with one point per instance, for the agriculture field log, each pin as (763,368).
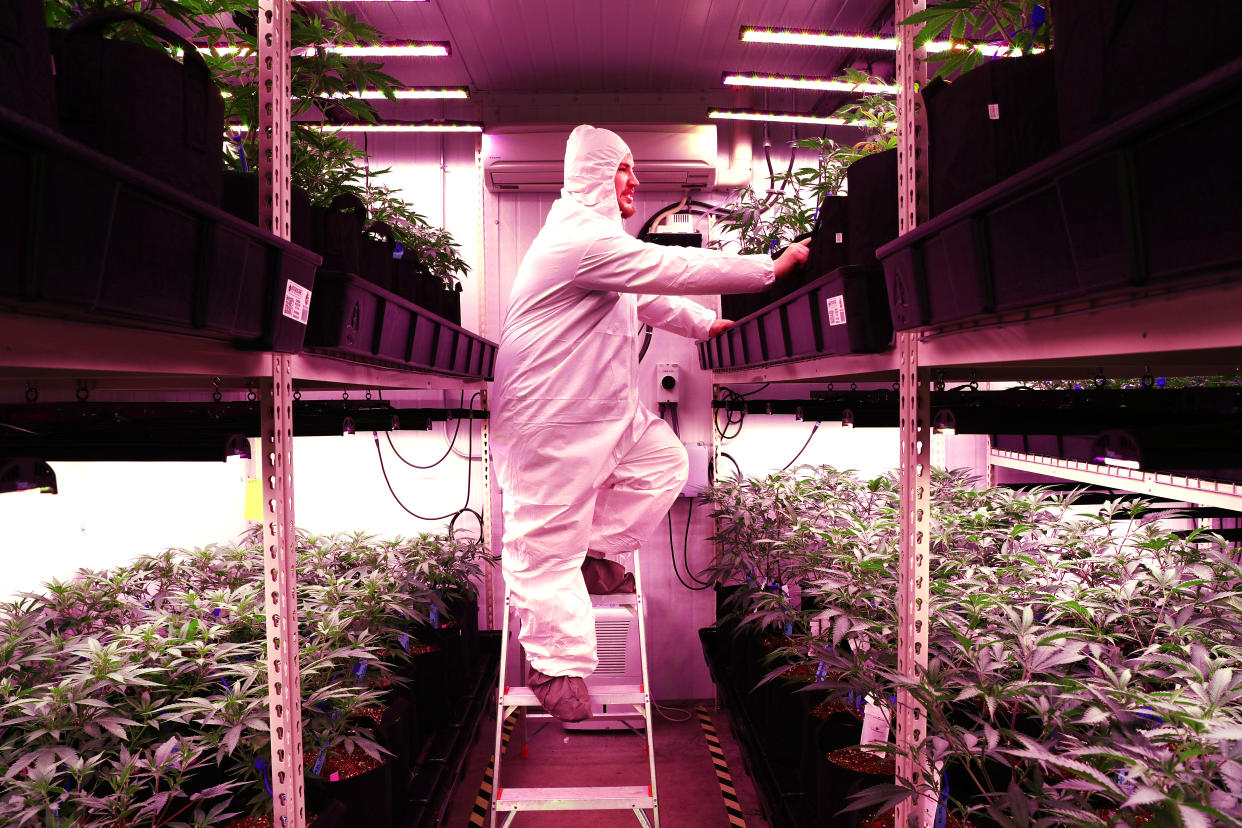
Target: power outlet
(668,382)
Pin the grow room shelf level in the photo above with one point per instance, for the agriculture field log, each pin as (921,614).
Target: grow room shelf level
(135,358)
(1165,330)
(1175,487)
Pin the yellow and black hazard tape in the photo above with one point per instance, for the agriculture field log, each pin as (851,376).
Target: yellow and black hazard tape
(482,802)
(732,807)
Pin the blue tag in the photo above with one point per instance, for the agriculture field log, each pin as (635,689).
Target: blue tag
(323,754)
(788,628)
(361,669)
(404,641)
(821,671)
(435,617)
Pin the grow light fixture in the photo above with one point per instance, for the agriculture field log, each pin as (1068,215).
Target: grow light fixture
(398,126)
(237,446)
(944,422)
(812,37)
(1118,462)
(26,474)
(780,117)
(802,82)
(408,94)
(416,48)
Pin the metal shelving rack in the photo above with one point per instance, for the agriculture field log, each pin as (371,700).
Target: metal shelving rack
(102,356)
(1174,329)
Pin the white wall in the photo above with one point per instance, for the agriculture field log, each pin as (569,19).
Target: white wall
(107,514)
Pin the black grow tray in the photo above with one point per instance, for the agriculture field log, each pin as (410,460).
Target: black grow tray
(1153,198)
(355,318)
(86,237)
(843,312)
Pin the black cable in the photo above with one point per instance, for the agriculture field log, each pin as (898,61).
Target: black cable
(729,395)
(804,445)
(685,549)
(447,451)
(469,461)
(734,462)
(672,554)
(642,352)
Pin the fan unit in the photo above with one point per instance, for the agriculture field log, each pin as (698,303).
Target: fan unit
(666,156)
(616,642)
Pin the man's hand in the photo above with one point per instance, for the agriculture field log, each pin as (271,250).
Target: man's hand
(793,257)
(718,327)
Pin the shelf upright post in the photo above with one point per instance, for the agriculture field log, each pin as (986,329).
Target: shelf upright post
(284,694)
(915,434)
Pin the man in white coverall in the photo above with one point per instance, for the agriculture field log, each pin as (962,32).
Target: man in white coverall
(582,465)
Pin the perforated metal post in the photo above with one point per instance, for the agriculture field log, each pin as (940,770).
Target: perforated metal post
(491,507)
(274,116)
(279,535)
(280,599)
(915,435)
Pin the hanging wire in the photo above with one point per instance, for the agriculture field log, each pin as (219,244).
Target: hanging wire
(447,451)
(672,552)
(393,492)
(814,429)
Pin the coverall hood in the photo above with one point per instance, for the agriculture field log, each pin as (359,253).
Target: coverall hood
(591,159)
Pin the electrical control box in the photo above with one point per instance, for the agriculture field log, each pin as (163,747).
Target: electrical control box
(668,382)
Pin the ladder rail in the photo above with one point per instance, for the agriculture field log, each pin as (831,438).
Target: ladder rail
(640,608)
(501,712)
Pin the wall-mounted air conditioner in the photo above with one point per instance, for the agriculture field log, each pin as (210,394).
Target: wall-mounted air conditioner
(666,156)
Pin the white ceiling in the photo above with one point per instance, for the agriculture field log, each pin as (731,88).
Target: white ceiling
(636,60)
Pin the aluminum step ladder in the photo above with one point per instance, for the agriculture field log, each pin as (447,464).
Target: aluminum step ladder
(629,699)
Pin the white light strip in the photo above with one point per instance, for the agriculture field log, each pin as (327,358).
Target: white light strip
(789,82)
(406,94)
(420,49)
(423,49)
(457,92)
(781,117)
(810,37)
(425,126)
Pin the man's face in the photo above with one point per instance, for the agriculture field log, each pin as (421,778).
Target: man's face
(627,183)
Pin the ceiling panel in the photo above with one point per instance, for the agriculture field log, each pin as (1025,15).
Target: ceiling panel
(508,50)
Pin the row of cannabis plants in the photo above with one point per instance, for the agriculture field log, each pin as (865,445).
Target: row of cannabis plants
(1080,659)
(138,695)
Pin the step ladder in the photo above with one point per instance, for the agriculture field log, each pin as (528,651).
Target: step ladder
(628,699)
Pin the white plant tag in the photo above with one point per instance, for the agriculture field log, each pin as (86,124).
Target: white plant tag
(840,238)
(836,310)
(297,302)
(875,726)
(993,112)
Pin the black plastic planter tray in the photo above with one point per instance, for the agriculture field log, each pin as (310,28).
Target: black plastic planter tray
(843,312)
(87,237)
(356,318)
(1122,207)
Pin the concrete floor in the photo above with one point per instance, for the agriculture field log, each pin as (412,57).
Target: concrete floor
(689,793)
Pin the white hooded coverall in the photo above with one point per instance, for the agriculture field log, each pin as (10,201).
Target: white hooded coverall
(580,462)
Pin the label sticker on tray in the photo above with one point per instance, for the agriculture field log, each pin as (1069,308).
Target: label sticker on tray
(297,302)
(993,112)
(840,238)
(836,310)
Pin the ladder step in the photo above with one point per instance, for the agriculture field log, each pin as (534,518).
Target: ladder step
(600,694)
(574,799)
